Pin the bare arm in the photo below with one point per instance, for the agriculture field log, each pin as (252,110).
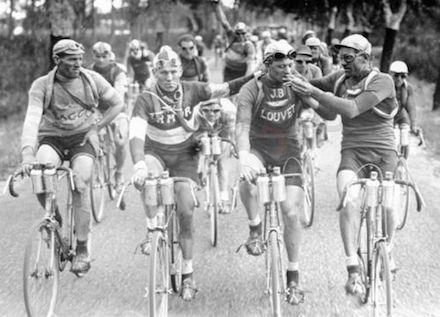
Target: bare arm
(221,17)
(411,106)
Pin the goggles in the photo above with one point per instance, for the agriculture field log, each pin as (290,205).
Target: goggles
(401,75)
(300,61)
(68,47)
(207,110)
(161,63)
(278,56)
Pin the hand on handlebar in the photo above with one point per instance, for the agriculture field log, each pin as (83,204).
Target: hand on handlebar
(28,161)
(139,177)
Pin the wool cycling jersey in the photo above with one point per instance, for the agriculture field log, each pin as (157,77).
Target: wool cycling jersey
(376,101)
(194,69)
(67,105)
(276,116)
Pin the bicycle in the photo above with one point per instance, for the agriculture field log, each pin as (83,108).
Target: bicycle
(50,244)
(271,192)
(103,176)
(373,243)
(402,171)
(307,139)
(166,254)
(211,148)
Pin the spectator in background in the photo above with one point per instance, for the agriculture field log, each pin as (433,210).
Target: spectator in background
(307,34)
(334,52)
(318,58)
(139,61)
(240,54)
(219,48)
(194,68)
(304,65)
(266,39)
(199,44)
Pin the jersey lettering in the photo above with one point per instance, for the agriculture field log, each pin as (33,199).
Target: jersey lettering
(187,112)
(276,93)
(278,116)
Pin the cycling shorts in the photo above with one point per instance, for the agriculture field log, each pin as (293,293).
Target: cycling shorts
(68,147)
(402,117)
(231,74)
(182,164)
(354,158)
(288,159)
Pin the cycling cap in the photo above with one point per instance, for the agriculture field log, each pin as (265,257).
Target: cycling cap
(101,48)
(68,47)
(313,41)
(399,67)
(240,27)
(304,50)
(134,44)
(166,58)
(357,42)
(210,102)
(279,47)
(309,32)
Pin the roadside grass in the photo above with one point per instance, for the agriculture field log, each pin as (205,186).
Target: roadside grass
(429,121)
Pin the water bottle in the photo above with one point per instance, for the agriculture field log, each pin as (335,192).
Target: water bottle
(150,191)
(216,145)
(278,185)
(388,190)
(308,129)
(166,189)
(371,188)
(49,175)
(404,135)
(263,188)
(37,179)
(205,144)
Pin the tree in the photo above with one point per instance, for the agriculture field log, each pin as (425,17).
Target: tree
(392,21)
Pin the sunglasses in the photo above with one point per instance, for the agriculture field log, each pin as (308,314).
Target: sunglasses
(401,75)
(299,61)
(211,110)
(190,48)
(347,58)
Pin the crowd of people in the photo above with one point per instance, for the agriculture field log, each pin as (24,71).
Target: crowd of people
(275,81)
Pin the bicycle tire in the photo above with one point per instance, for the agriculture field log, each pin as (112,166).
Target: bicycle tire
(215,204)
(402,173)
(308,172)
(40,272)
(175,255)
(382,282)
(364,248)
(97,184)
(159,274)
(275,274)
(110,163)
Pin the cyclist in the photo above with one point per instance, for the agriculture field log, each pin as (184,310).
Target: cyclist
(406,116)
(139,61)
(366,100)
(266,136)
(266,39)
(194,67)
(240,56)
(162,136)
(105,65)
(318,57)
(214,119)
(62,114)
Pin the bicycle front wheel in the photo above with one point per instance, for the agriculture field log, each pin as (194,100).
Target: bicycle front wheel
(40,272)
(309,190)
(215,203)
(97,189)
(158,285)
(276,274)
(382,283)
(402,205)
(176,255)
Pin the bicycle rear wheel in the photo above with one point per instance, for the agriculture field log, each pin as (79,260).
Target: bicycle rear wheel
(214,203)
(308,171)
(110,162)
(402,204)
(158,285)
(175,255)
(382,283)
(276,274)
(97,189)
(40,272)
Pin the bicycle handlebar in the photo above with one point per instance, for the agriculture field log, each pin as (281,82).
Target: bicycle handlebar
(21,173)
(176,179)
(419,199)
